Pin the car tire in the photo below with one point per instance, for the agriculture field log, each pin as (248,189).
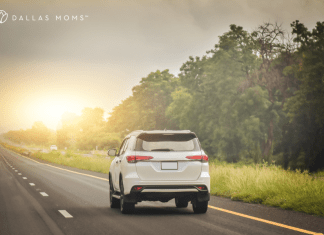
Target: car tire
(199,207)
(180,203)
(125,207)
(114,202)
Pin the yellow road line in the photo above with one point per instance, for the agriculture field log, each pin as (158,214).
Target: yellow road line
(63,169)
(266,221)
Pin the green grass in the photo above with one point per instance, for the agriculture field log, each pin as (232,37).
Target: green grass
(97,164)
(269,185)
(264,184)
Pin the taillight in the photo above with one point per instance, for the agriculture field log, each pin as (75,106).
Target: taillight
(198,157)
(133,159)
(203,158)
(143,158)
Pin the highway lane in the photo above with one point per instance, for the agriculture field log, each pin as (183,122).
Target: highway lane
(24,209)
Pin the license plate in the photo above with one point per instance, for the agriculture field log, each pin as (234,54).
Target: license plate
(169,166)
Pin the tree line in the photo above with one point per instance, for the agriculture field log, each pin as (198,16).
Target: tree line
(255,96)
(85,132)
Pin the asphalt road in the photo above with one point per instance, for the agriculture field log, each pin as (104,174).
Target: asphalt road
(38,198)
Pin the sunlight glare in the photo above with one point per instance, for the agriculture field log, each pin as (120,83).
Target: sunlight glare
(49,110)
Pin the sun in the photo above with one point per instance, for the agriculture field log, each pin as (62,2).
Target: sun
(49,109)
(53,109)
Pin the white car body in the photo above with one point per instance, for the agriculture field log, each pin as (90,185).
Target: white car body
(161,174)
(53,147)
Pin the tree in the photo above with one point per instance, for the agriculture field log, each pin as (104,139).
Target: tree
(306,107)
(39,133)
(213,102)
(68,131)
(17,136)
(146,108)
(91,125)
(274,75)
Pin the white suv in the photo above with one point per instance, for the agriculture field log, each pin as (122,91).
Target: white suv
(159,166)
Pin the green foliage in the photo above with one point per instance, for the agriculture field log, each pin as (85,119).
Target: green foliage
(303,142)
(310,72)
(229,119)
(39,134)
(146,108)
(269,185)
(86,132)
(181,109)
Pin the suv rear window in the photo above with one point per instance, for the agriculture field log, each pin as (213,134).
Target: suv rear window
(167,142)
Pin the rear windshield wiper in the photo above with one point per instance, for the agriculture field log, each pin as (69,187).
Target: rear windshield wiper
(162,150)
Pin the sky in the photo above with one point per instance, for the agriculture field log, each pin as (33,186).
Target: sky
(61,56)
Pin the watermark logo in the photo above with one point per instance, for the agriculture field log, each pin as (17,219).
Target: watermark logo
(32,18)
(3,16)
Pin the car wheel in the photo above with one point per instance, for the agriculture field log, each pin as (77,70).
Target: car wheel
(114,202)
(125,207)
(180,203)
(199,207)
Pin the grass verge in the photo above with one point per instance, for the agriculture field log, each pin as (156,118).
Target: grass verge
(269,185)
(97,164)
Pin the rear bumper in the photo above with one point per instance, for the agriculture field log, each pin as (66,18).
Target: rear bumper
(132,179)
(165,193)
(166,190)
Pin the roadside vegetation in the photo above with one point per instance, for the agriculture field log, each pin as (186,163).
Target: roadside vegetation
(269,185)
(96,163)
(254,183)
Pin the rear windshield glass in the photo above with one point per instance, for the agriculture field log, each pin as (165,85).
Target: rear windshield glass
(167,142)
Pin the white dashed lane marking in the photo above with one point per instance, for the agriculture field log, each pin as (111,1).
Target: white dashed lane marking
(44,194)
(24,178)
(65,214)
(19,173)
(16,170)
(31,184)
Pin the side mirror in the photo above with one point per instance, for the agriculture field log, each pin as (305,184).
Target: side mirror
(112,152)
